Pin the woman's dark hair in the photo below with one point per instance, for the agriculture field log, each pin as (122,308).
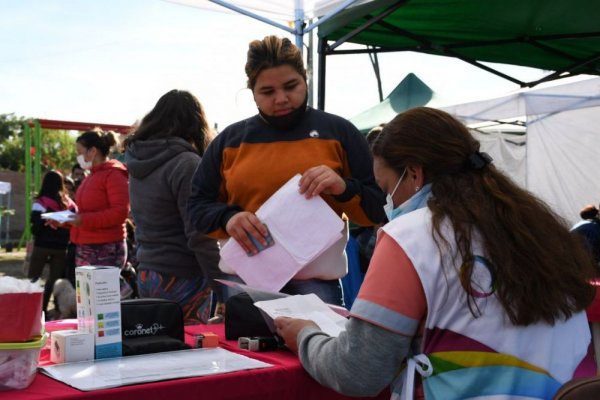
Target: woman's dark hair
(177,113)
(542,272)
(271,52)
(53,187)
(102,140)
(589,212)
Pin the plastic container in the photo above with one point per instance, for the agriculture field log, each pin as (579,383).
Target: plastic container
(18,363)
(20,316)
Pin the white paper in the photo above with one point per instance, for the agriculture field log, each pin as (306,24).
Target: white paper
(60,216)
(308,306)
(114,372)
(302,230)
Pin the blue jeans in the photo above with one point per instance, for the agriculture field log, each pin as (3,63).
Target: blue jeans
(328,291)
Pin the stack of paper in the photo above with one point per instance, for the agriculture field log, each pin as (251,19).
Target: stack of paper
(302,229)
(308,306)
(60,216)
(114,372)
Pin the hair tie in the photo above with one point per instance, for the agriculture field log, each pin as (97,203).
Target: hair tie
(478,160)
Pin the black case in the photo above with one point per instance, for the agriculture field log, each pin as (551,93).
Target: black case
(243,318)
(151,326)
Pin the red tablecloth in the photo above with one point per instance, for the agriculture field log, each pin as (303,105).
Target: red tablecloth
(286,380)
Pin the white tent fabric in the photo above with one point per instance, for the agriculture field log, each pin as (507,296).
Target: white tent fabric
(508,152)
(562,162)
(283,10)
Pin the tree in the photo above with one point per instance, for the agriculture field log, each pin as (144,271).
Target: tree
(57,146)
(10,125)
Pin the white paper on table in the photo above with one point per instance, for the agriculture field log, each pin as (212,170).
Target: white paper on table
(60,216)
(307,306)
(114,372)
(302,230)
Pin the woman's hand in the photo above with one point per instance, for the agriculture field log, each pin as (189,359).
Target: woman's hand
(288,329)
(321,179)
(243,224)
(76,221)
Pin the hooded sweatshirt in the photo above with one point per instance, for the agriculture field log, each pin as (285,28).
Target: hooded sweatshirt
(161,173)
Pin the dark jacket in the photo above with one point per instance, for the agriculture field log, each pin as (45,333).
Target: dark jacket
(159,187)
(45,236)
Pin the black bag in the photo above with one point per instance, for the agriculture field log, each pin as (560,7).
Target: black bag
(243,318)
(151,326)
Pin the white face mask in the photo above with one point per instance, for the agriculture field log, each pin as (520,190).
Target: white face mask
(389,203)
(82,163)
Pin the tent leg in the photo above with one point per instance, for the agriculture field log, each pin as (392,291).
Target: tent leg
(321,73)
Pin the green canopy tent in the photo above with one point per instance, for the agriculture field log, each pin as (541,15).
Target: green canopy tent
(555,35)
(410,92)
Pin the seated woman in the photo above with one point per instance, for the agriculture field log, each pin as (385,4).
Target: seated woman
(475,282)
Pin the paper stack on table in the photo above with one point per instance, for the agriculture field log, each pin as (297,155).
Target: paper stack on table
(121,371)
(302,230)
(307,306)
(60,216)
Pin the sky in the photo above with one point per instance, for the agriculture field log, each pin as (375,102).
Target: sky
(109,61)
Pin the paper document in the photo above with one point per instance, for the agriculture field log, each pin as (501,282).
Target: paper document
(307,306)
(114,372)
(60,216)
(302,230)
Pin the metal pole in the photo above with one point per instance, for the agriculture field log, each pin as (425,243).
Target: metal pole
(299,23)
(321,77)
(37,144)
(310,69)
(28,201)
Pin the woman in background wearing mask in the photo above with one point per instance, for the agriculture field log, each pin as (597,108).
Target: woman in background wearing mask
(98,229)
(476,283)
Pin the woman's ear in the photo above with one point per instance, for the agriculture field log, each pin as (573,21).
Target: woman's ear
(416,176)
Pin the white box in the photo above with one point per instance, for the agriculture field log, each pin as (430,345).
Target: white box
(71,346)
(99,308)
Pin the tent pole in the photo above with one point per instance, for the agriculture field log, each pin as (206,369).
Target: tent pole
(299,24)
(252,15)
(310,68)
(375,63)
(321,74)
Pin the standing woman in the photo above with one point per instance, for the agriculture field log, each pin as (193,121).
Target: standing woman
(98,229)
(49,245)
(175,261)
(251,159)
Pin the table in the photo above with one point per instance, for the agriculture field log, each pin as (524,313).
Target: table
(285,380)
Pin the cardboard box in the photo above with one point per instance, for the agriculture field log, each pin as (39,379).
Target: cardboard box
(71,346)
(99,308)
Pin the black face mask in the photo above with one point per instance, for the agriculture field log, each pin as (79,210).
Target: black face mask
(288,120)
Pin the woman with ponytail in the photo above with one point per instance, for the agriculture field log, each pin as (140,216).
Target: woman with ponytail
(475,283)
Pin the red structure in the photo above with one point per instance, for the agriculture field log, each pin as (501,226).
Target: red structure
(81,126)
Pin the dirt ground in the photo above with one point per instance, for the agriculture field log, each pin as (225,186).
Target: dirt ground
(11,264)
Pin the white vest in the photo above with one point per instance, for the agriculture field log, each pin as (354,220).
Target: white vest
(485,357)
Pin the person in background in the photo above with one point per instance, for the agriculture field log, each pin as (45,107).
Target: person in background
(98,229)
(69,186)
(50,245)
(366,237)
(78,174)
(174,260)
(251,159)
(476,283)
(588,230)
